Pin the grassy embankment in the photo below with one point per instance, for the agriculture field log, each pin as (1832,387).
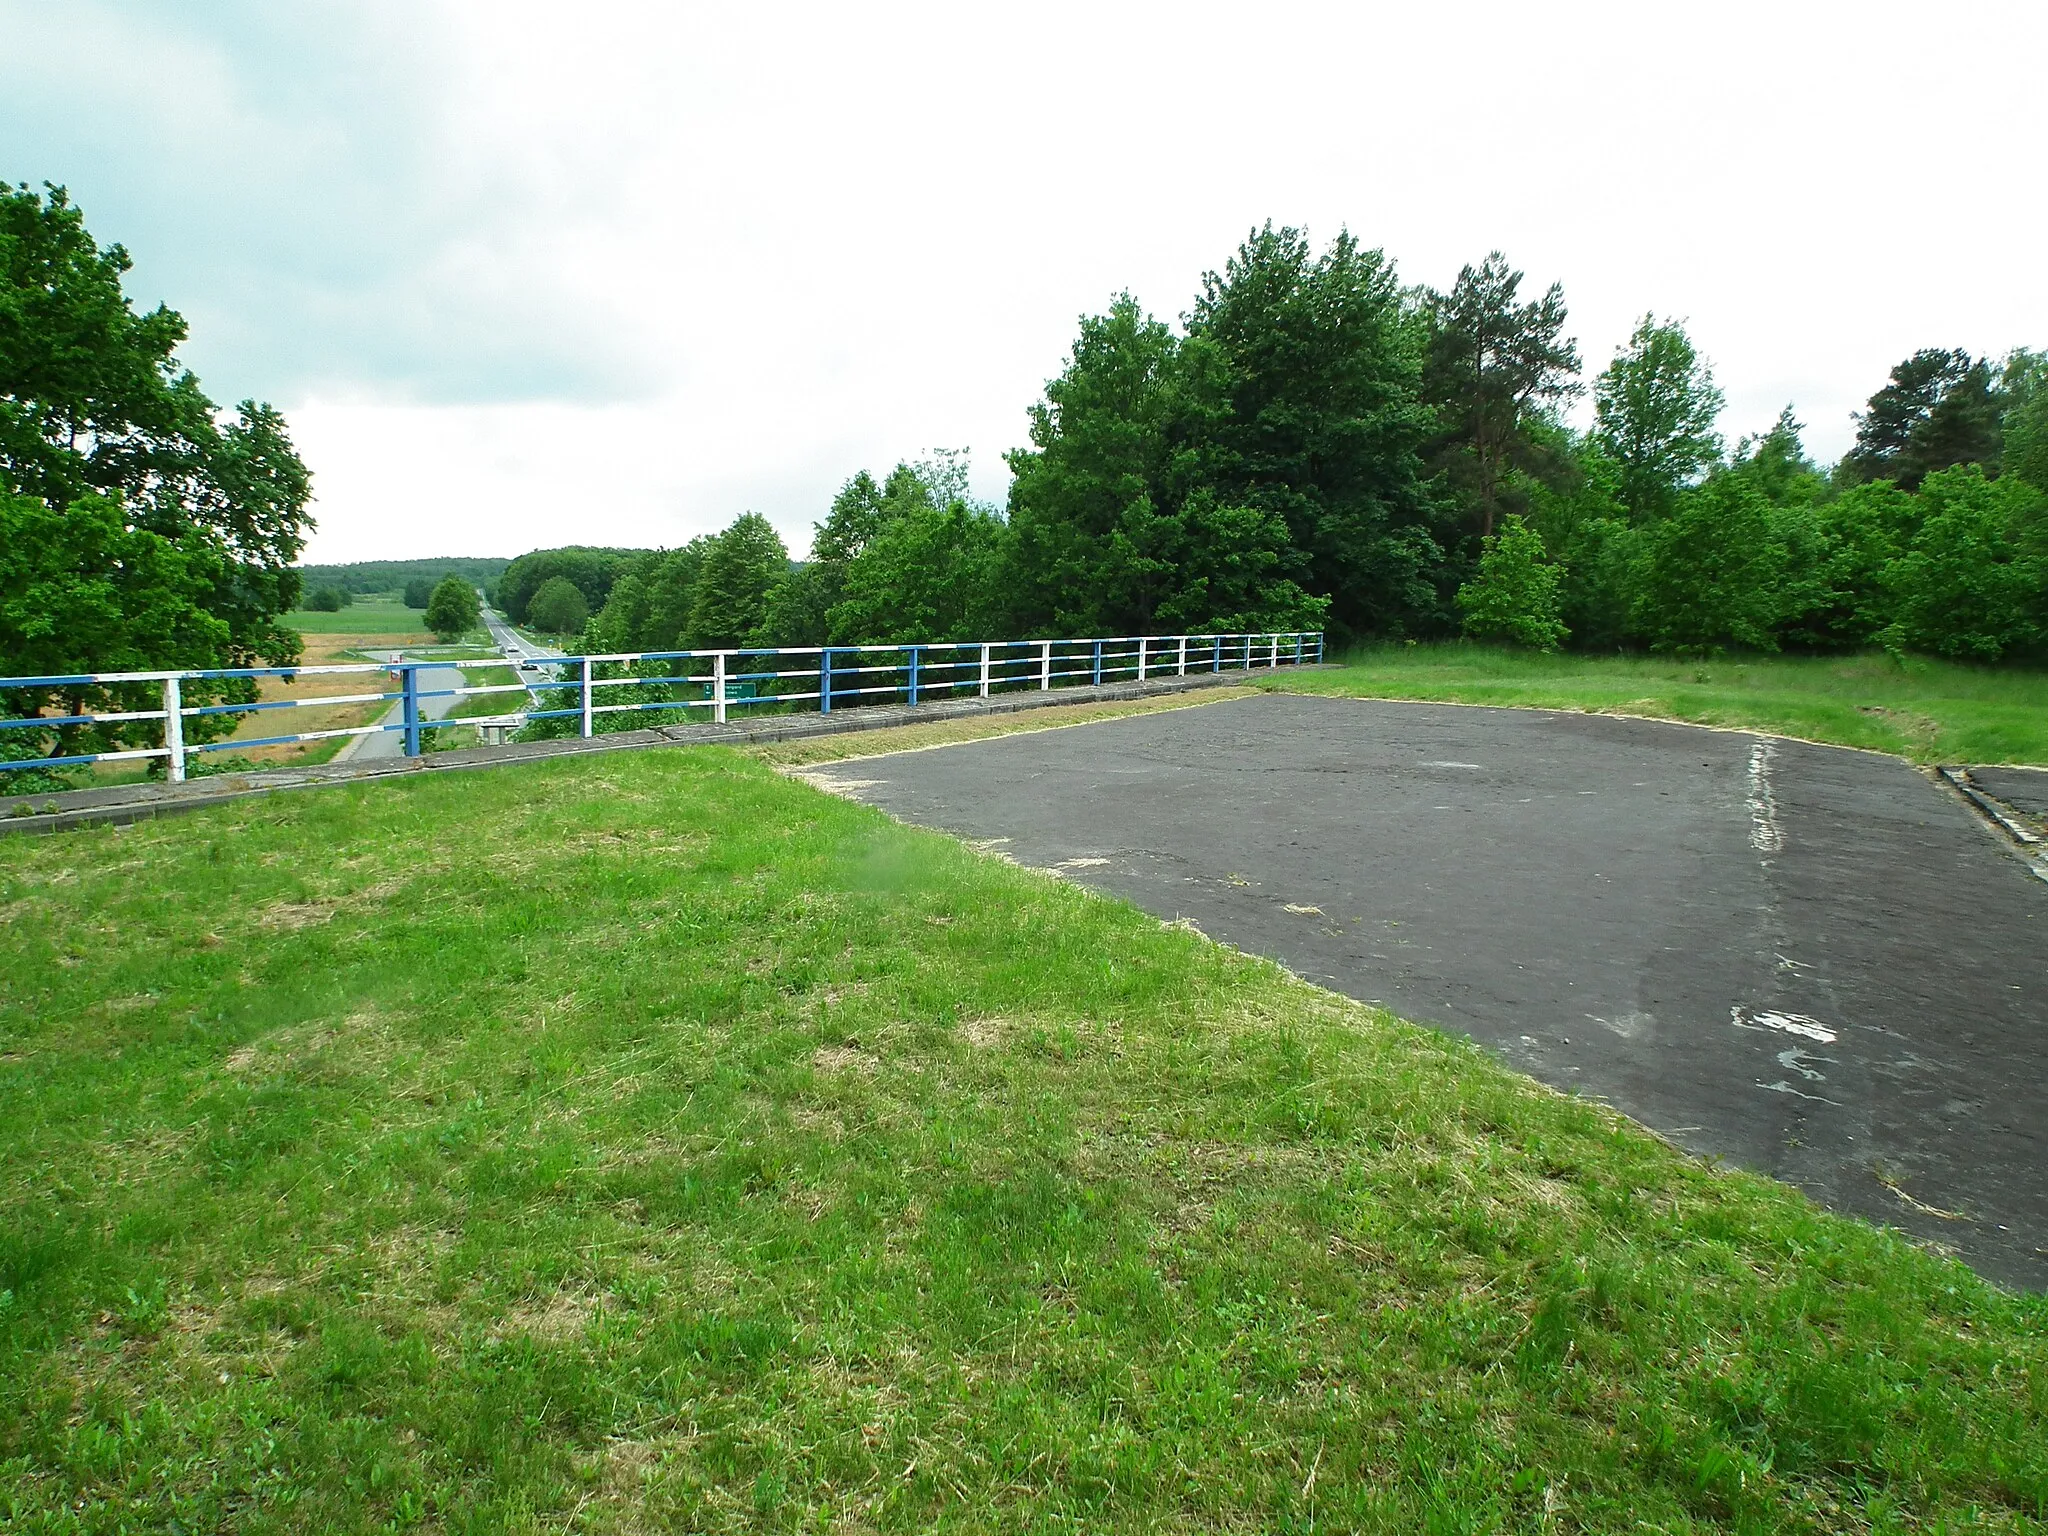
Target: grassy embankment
(1928,711)
(651,1142)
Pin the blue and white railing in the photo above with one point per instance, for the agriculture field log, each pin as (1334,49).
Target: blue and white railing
(724,681)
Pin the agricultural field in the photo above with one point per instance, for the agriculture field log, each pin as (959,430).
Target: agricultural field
(381,617)
(1918,708)
(652,1141)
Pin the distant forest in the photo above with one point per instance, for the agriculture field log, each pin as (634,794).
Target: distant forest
(365,576)
(1317,446)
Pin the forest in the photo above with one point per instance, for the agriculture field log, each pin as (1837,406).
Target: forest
(1317,446)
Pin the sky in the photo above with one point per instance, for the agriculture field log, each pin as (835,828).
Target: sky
(523,275)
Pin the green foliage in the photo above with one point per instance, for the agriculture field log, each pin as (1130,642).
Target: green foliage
(557,607)
(1494,372)
(1940,408)
(364,577)
(84,590)
(1517,596)
(325,600)
(453,610)
(741,567)
(94,404)
(1312,415)
(2024,454)
(1973,581)
(1656,406)
(1712,572)
(419,591)
(590,571)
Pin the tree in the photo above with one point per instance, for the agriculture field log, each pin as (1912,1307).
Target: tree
(590,571)
(740,568)
(1712,572)
(1655,408)
(2024,453)
(452,610)
(1516,597)
(1312,415)
(324,600)
(1973,583)
(93,403)
(84,590)
(1491,366)
(1939,408)
(558,607)
(418,592)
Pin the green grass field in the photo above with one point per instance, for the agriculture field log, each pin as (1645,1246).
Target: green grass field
(365,616)
(1928,711)
(652,1142)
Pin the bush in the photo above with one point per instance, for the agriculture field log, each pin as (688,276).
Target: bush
(1517,597)
(557,607)
(418,592)
(1714,573)
(1971,584)
(326,600)
(452,611)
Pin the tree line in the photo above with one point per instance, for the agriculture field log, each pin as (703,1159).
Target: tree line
(1313,444)
(1317,446)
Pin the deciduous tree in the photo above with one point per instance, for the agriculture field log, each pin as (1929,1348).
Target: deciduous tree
(1655,407)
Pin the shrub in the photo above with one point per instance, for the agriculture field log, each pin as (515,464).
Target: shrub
(418,592)
(1971,583)
(1517,597)
(325,600)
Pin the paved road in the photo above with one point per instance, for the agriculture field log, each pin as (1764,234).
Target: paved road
(1810,961)
(392,743)
(520,651)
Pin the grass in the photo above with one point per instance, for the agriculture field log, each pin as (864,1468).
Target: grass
(1925,710)
(652,1142)
(365,616)
(940,733)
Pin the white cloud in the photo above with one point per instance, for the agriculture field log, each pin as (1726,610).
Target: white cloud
(617,272)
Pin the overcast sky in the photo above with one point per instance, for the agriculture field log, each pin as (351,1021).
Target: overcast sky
(614,273)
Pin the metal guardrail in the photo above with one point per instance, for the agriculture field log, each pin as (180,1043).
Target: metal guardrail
(723,680)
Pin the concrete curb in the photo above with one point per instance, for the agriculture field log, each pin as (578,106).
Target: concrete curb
(125,804)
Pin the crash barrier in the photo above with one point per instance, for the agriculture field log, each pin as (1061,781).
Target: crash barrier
(192,707)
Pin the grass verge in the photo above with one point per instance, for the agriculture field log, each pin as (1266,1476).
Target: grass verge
(1925,710)
(941,733)
(651,1142)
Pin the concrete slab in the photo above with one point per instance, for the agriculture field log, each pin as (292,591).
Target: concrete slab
(1812,961)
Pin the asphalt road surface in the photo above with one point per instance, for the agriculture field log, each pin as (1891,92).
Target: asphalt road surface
(1810,961)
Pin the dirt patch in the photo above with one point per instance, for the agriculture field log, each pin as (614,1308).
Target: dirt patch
(984,1034)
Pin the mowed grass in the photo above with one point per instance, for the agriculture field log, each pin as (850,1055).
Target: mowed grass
(1926,710)
(651,1142)
(365,616)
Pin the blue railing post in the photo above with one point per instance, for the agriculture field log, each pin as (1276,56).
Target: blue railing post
(1216,653)
(1319,648)
(913,676)
(825,680)
(409,685)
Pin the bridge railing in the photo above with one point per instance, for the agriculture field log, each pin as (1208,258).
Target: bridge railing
(707,685)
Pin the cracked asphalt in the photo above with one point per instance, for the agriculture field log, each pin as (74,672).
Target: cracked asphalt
(1813,962)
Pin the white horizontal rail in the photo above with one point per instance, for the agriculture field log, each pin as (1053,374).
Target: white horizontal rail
(731,678)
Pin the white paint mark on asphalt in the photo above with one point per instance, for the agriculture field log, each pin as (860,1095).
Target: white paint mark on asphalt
(1082,863)
(1785,1087)
(1795,1059)
(1764,833)
(1785,1023)
(1302,911)
(1480,766)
